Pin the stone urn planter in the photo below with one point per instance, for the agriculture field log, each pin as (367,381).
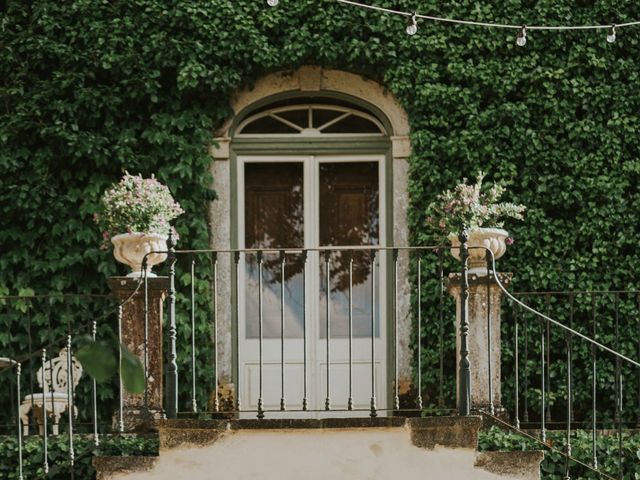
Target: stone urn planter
(131,248)
(491,238)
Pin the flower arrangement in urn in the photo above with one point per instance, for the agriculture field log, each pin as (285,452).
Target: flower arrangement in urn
(135,215)
(480,212)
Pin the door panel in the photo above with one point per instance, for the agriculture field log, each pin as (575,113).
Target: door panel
(274,206)
(349,216)
(307,203)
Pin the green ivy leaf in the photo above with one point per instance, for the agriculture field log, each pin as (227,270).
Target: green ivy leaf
(98,360)
(132,371)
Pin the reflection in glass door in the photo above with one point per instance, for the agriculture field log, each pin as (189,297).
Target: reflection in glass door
(311,202)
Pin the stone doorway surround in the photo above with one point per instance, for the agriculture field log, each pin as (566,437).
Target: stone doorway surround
(307,79)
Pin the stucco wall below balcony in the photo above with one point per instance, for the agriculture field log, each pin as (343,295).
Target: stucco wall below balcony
(410,450)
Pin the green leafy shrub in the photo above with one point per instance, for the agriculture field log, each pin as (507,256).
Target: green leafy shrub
(553,466)
(58,454)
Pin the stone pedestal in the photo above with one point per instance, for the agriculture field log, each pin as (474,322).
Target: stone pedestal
(484,316)
(135,415)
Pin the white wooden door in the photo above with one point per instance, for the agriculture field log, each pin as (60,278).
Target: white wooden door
(311,202)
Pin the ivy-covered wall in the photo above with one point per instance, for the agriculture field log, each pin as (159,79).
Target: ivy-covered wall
(90,89)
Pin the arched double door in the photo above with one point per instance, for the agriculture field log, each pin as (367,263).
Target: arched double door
(307,180)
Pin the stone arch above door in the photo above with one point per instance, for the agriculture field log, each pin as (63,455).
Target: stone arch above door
(308,80)
(316,79)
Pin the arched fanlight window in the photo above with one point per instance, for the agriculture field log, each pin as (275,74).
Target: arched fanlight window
(313,120)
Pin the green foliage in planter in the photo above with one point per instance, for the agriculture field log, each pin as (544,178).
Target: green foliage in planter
(553,465)
(90,89)
(58,451)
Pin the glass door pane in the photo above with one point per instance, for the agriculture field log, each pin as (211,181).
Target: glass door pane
(274,207)
(349,216)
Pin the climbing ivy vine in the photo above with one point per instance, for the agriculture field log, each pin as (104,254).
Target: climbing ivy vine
(89,89)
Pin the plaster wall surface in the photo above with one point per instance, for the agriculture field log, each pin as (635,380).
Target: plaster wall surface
(337,454)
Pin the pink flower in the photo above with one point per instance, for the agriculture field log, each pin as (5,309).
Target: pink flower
(509,240)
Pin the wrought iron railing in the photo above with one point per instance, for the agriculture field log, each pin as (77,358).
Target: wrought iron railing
(393,279)
(601,349)
(38,327)
(405,286)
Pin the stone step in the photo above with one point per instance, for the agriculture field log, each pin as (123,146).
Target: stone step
(318,449)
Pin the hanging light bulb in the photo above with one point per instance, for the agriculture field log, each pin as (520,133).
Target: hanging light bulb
(412,26)
(521,39)
(272,3)
(611,36)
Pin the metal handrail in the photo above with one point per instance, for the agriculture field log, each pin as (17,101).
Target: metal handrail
(553,321)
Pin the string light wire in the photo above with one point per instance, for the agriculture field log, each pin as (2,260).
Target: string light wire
(486,24)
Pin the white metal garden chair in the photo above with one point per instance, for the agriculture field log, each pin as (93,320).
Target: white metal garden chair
(54,399)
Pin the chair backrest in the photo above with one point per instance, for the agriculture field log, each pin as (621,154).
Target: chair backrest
(55,373)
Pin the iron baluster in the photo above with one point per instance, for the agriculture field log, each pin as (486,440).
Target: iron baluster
(373,412)
(194,402)
(619,407)
(96,438)
(45,443)
(350,399)
(543,387)
(547,412)
(419,335)
(327,402)
(464,365)
(570,353)
(31,374)
(441,328)
(305,400)
(594,369)
(525,403)
(282,279)
(260,337)
(638,352)
(50,336)
(396,396)
(567,475)
(120,385)
(216,401)
(236,259)
(516,356)
(618,390)
(616,307)
(18,377)
(146,335)
(70,401)
(489,259)
(172,364)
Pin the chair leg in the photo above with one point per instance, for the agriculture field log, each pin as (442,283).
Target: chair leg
(39,413)
(55,428)
(24,418)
